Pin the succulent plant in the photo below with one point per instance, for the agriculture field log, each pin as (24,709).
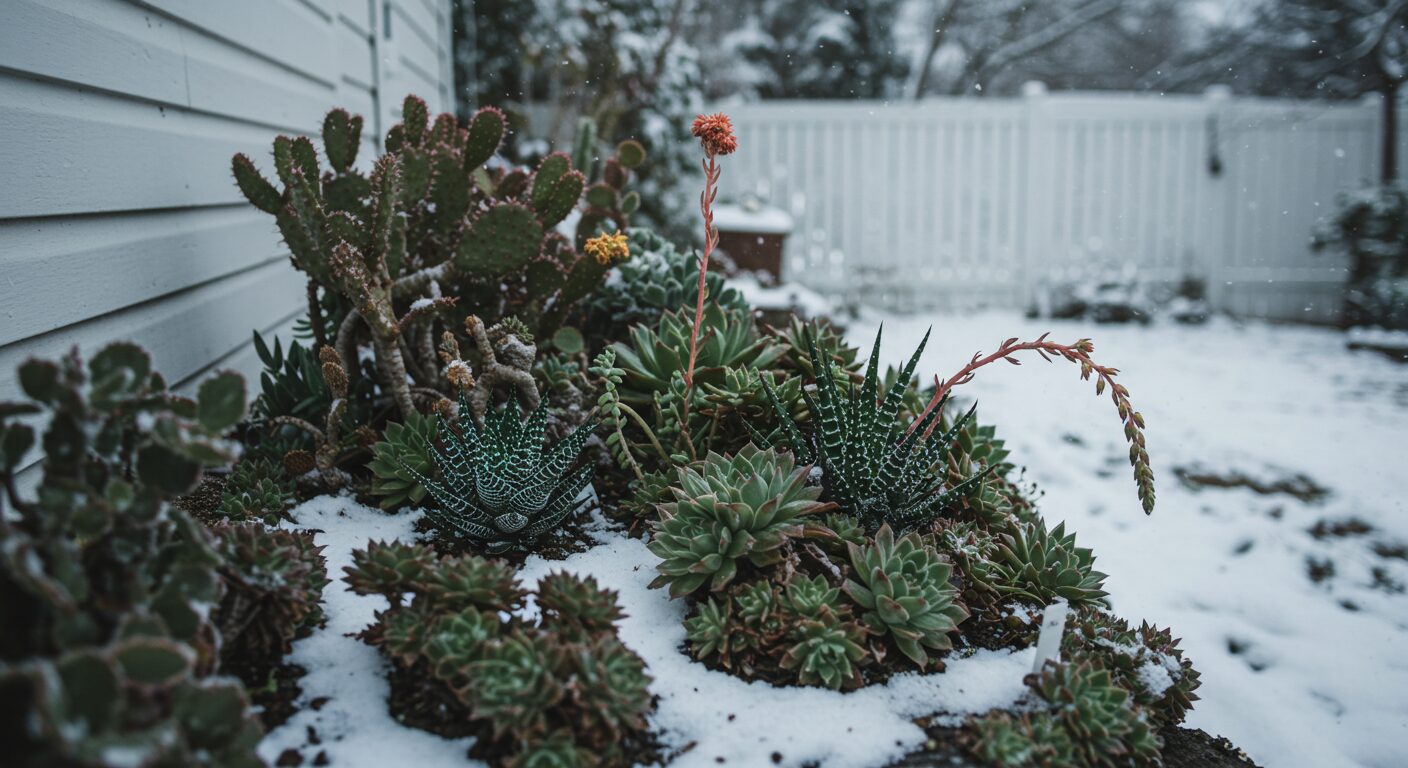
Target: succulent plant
(256,489)
(1033,740)
(759,609)
(469,581)
(873,466)
(556,750)
(825,651)
(609,690)
(450,643)
(1040,565)
(903,587)
(991,503)
(105,590)
(498,485)
(730,512)
(515,684)
(1105,728)
(560,677)
(657,279)
(274,583)
(1147,662)
(577,606)
(728,339)
(799,335)
(404,448)
(846,530)
(432,220)
(710,630)
(390,569)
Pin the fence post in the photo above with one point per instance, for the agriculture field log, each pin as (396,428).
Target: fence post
(1036,197)
(1219,237)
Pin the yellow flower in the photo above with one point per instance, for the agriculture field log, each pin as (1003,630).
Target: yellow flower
(608,248)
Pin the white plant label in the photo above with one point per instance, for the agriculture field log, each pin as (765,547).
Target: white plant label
(1053,626)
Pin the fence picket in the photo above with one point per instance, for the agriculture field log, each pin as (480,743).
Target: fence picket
(961,202)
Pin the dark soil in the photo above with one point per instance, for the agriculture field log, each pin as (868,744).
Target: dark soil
(1183,748)
(1195,748)
(204,502)
(272,690)
(1298,486)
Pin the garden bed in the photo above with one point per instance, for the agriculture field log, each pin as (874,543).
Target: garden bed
(544,491)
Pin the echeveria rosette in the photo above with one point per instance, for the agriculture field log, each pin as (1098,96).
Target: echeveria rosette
(903,587)
(556,750)
(1105,727)
(1145,661)
(515,684)
(826,651)
(710,630)
(729,512)
(1034,740)
(577,606)
(609,690)
(1040,565)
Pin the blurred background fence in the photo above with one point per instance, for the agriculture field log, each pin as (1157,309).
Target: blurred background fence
(962,203)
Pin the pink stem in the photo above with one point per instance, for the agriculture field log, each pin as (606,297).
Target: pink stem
(711,240)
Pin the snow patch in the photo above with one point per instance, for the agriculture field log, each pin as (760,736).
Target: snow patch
(721,716)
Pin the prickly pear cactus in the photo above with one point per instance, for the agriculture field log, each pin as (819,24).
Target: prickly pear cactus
(433,219)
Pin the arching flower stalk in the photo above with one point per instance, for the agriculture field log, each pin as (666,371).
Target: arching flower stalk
(1078,353)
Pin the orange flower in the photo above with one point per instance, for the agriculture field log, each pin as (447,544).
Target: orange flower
(608,248)
(715,133)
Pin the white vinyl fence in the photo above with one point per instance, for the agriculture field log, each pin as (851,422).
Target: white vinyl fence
(962,203)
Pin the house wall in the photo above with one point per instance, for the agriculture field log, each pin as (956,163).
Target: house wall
(119,218)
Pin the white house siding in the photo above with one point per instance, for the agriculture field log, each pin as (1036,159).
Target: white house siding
(119,218)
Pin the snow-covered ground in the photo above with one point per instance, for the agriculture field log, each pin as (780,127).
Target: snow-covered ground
(704,717)
(1297,673)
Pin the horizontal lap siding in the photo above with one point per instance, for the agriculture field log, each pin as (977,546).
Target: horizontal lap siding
(118,215)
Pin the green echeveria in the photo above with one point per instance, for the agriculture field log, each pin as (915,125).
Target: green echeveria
(556,750)
(576,605)
(256,489)
(472,581)
(609,688)
(903,587)
(727,339)
(1146,661)
(825,651)
(1105,727)
(811,596)
(1034,740)
(1040,565)
(514,684)
(729,512)
(455,641)
(710,630)
(389,569)
(405,446)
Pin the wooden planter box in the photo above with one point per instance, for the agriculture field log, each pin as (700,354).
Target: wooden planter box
(753,237)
